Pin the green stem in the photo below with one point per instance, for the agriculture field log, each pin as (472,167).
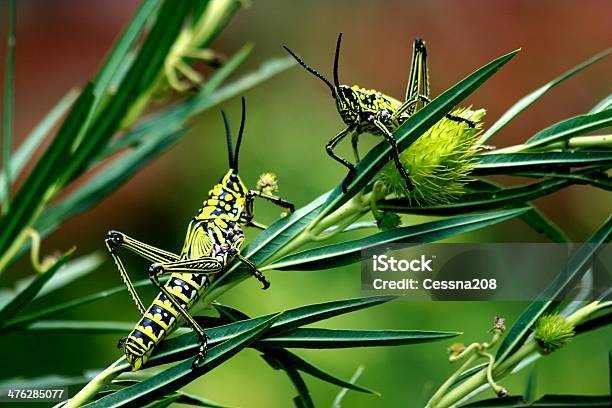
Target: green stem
(8,105)
(95,385)
(583,142)
(503,369)
(349,211)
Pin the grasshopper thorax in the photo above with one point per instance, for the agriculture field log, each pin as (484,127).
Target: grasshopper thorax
(347,101)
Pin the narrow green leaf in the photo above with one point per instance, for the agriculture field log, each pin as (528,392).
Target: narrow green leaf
(505,197)
(602,105)
(557,401)
(183,398)
(197,401)
(527,100)
(303,399)
(122,47)
(182,374)
(22,321)
(300,364)
(72,270)
(542,225)
(172,119)
(497,402)
(35,189)
(566,129)
(106,181)
(518,162)
(36,137)
(24,297)
(8,102)
(412,129)
(334,339)
(80,327)
(290,359)
(187,344)
(567,278)
(349,252)
(530,388)
(573,401)
(138,79)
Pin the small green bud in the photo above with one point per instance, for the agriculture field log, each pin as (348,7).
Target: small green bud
(388,221)
(455,349)
(552,332)
(439,162)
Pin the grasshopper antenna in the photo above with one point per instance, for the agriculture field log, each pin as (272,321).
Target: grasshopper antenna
(310,69)
(240,133)
(336,59)
(228,136)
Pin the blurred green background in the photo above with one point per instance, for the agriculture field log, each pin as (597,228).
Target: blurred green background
(60,44)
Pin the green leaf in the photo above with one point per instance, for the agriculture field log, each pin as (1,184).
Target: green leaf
(122,47)
(8,102)
(34,139)
(412,129)
(106,181)
(527,100)
(334,339)
(80,327)
(530,388)
(497,402)
(505,197)
(303,399)
(24,297)
(173,118)
(572,127)
(557,401)
(22,321)
(349,252)
(304,366)
(72,270)
(183,398)
(182,374)
(187,344)
(602,105)
(542,225)
(138,79)
(35,189)
(290,359)
(208,96)
(567,278)
(519,162)
(573,401)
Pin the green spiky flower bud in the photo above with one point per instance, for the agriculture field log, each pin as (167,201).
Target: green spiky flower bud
(552,332)
(439,162)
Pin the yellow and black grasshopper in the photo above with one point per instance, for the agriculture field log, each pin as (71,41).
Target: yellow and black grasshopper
(214,238)
(368,110)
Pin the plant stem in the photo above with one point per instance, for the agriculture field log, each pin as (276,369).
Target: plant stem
(352,210)
(530,346)
(95,385)
(583,142)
